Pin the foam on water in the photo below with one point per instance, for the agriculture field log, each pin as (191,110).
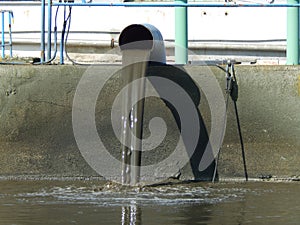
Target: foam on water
(108,195)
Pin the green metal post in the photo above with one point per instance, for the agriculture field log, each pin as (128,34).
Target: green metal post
(292,50)
(181,34)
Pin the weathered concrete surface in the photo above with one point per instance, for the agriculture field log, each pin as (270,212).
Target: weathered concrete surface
(269,107)
(36,135)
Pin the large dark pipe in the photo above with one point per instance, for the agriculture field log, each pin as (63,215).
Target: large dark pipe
(139,43)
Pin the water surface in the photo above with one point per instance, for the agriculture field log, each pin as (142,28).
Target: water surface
(95,202)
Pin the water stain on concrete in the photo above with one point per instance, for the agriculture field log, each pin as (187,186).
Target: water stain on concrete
(36,135)
(299,85)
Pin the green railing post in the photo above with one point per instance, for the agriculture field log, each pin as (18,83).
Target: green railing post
(43,7)
(2,35)
(181,34)
(292,49)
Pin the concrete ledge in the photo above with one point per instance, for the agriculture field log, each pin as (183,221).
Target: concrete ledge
(36,135)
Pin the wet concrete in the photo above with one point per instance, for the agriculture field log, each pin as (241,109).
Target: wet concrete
(36,135)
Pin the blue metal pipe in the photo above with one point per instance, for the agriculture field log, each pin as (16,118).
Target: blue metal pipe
(49,29)
(176,4)
(43,6)
(62,41)
(10,17)
(2,35)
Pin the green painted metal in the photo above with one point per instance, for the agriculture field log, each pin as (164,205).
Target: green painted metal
(292,50)
(181,33)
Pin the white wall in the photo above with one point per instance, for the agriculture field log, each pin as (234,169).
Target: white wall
(259,26)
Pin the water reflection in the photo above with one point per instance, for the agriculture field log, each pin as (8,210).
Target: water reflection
(131,215)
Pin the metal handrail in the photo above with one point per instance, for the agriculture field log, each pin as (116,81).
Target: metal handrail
(176,4)
(3,43)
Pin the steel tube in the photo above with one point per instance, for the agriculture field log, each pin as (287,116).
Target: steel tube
(49,29)
(160,4)
(139,43)
(62,41)
(43,6)
(10,15)
(181,34)
(292,48)
(2,35)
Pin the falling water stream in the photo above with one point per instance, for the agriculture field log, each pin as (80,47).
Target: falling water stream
(98,202)
(134,63)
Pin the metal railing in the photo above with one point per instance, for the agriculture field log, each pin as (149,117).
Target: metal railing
(3,42)
(292,19)
(175,4)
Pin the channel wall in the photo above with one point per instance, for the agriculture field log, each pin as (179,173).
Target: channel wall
(37,136)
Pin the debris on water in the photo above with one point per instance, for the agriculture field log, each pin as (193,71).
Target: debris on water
(116,187)
(265,176)
(110,186)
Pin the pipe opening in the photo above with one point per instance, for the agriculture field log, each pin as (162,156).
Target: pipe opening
(137,34)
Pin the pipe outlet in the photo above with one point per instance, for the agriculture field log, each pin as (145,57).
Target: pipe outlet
(144,37)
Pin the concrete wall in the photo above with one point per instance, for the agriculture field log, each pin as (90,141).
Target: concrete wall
(36,135)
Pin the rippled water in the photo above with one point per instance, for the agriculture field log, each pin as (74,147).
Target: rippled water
(94,202)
